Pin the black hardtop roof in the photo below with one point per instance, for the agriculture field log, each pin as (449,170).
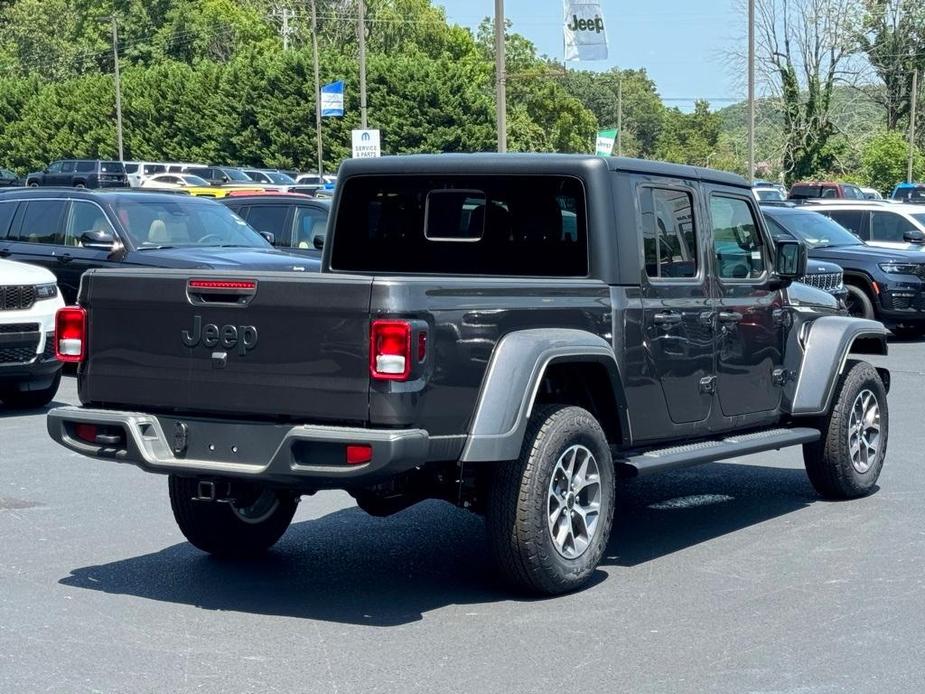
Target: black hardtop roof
(107,194)
(526,163)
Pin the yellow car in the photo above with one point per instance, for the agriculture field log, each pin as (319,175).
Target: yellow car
(188,183)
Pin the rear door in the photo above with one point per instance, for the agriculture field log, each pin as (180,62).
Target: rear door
(285,344)
(677,302)
(855,221)
(750,314)
(37,235)
(887,229)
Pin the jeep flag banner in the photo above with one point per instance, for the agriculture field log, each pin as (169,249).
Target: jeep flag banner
(332,99)
(585,36)
(606,139)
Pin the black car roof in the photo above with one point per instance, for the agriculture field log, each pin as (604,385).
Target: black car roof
(514,163)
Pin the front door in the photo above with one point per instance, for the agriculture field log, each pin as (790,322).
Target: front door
(73,258)
(677,304)
(750,316)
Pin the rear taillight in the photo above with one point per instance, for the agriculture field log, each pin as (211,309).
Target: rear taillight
(390,350)
(71,334)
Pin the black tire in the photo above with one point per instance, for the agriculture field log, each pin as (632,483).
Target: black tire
(218,528)
(858,303)
(80,184)
(519,500)
(31,399)
(828,461)
(33,184)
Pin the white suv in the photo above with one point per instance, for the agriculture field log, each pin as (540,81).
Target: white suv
(29,299)
(879,223)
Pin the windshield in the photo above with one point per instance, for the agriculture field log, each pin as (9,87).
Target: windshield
(919,217)
(815,230)
(192,180)
(237,175)
(277,177)
(768,194)
(184,222)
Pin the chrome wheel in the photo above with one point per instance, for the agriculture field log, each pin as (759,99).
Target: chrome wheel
(864,431)
(259,509)
(574,501)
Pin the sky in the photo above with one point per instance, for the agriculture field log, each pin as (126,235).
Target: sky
(680,43)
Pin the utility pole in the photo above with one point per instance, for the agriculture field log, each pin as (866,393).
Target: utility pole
(620,115)
(317,90)
(914,99)
(751,91)
(361,38)
(500,78)
(284,14)
(115,57)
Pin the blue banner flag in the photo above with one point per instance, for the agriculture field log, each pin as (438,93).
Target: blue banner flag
(332,99)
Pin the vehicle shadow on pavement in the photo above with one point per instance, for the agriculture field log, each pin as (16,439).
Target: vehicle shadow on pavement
(352,568)
(7,411)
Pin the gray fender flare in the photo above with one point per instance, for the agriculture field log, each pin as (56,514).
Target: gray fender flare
(826,347)
(512,379)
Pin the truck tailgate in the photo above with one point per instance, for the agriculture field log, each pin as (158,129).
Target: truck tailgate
(283,345)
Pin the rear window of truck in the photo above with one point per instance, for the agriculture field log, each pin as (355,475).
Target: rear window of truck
(462,225)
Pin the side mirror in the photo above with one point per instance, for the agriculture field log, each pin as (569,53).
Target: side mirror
(914,236)
(318,242)
(269,236)
(790,262)
(224,179)
(98,240)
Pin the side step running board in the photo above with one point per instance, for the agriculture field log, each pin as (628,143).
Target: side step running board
(710,451)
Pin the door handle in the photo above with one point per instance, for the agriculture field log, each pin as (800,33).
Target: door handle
(65,258)
(730,316)
(667,318)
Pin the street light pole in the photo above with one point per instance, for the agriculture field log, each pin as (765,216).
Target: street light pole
(500,78)
(914,99)
(620,114)
(115,55)
(317,90)
(751,91)
(361,38)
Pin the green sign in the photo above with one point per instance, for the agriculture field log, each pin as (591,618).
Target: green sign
(606,139)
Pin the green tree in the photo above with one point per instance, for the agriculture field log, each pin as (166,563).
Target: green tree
(885,159)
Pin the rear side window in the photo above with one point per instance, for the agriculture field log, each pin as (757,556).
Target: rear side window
(86,166)
(40,221)
(852,220)
(804,191)
(463,225)
(112,167)
(668,237)
(150,169)
(6,216)
(131,168)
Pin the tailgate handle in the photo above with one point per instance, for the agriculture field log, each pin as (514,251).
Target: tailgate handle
(221,291)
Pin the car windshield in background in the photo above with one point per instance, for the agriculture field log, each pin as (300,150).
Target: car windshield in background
(277,177)
(236,175)
(183,222)
(768,194)
(919,217)
(814,229)
(193,180)
(112,167)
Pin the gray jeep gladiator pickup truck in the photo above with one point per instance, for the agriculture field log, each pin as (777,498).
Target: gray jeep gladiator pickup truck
(509,333)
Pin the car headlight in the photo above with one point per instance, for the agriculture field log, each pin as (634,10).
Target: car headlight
(901,268)
(46,291)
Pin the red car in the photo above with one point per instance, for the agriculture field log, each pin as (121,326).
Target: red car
(824,189)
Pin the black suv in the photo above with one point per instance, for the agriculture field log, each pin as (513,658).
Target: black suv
(882,283)
(298,222)
(80,173)
(71,231)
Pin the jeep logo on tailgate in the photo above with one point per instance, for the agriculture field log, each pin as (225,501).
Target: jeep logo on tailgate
(242,337)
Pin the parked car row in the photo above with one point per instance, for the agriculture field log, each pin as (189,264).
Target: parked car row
(95,173)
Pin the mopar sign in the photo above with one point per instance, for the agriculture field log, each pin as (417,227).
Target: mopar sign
(366,144)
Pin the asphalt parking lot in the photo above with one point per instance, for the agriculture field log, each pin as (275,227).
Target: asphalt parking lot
(730,577)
